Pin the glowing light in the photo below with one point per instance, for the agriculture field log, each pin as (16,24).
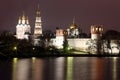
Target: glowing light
(15,60)
(69,48)
(33,48)
(96,29)
(14,48)
(33,59)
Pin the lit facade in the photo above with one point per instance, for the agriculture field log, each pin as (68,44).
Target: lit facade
(59,38)
(73,31)
(74,42)
(23,31)
(23,28)
(37,28)
(96,31)
(38,24)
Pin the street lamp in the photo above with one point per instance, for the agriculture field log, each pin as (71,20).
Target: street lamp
(15,49)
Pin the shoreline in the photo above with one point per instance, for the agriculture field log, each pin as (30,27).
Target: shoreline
(58,55)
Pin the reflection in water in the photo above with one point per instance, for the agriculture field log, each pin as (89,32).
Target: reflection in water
(115,68)
(14,68)
(69,68)
(21,69)
(98,69)
(62,68)
(59,67)
(81,68)
(37,69)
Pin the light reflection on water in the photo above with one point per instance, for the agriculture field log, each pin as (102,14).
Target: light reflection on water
(66,68)
(69,68)
(59,67)
(21,69)
(115,68)
(37,69)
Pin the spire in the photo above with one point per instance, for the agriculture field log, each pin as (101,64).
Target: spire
(38,10)
(73,25)
(73,20)
(23,16)
(19,21)
(27,21)
(38,23)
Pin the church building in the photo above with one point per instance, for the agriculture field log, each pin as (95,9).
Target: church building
(23,29)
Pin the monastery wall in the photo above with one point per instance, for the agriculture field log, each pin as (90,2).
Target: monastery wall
(79,44)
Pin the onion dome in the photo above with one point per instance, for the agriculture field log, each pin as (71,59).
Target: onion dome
(73,25)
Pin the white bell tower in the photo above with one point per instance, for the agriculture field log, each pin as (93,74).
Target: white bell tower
(38,24)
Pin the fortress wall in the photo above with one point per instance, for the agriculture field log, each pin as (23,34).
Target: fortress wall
(79,44)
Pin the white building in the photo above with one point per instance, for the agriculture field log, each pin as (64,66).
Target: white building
(23,28)
(23,31)
(73,31)
(82,44)
(38,24)
(37,28)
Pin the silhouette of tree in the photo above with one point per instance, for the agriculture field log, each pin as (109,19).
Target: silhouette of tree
(111,35)
(46,37)
(7,42)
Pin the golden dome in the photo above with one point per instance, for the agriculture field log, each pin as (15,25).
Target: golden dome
(23,16)
(73,25)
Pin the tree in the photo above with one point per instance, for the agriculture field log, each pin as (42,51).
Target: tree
(46,37)
(7,42)
(110,35)
(65,46)
(92,46)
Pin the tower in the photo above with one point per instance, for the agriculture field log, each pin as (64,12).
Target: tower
(23,28)
(38,24)
(37,28)
(59,38)
(96,31)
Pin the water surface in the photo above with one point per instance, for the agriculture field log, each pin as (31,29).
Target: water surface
(61,68)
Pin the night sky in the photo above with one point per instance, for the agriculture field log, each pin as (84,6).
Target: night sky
(60,13)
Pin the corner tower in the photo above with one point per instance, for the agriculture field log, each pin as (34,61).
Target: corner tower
(38,24)
(96,31)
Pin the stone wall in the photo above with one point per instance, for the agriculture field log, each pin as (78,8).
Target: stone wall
(79,44)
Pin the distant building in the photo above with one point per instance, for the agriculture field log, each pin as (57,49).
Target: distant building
(75,42)
(96,31)
(23,29)
(38,24)
(37,28)
(73,31)
(71,34)
(59,38)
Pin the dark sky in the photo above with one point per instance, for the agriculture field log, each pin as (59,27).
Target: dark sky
(59,13)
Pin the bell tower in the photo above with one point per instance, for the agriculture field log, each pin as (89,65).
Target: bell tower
(38,24)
